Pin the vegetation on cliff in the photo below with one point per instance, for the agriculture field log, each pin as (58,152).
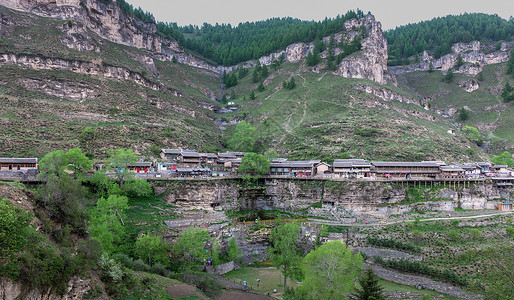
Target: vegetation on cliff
(439,34)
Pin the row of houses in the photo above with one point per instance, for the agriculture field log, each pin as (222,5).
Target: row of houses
(188,163)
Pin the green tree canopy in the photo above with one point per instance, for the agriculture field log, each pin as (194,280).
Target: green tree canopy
(233,252)
(107,221)
(118,161)
(472,133)
(284,251)
(243,137)
(14,223)
(330,270)
(254,165)
(153,248)
(503,159)
(463,114)
(191,246)
(63,195)
(56,163)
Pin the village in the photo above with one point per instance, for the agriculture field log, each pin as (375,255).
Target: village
(189,164)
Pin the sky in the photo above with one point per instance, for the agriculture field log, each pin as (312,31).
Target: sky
(391,13)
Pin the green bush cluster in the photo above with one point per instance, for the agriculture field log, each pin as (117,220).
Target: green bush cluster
(418,267)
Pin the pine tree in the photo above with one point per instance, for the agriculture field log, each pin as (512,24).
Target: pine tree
(264,72)
(260,88)
(252,95)
(369,289)
(255,76)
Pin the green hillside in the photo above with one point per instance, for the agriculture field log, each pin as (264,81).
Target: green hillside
(43,110)
(486,108)
(325,117)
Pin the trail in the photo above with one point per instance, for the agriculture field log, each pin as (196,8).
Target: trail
(287,125)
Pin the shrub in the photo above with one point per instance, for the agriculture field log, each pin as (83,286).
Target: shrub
(454,236)
(111,268)
(205,282)
(389,243)
(510,231)
(159,268)
(139,265)
(124,259)
(475,234)
(418,267)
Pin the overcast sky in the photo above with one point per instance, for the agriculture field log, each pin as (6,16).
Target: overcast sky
(391,13)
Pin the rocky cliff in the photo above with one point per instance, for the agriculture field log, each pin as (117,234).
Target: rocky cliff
(77,289)
(474,55)
(375,199)
(108,21)
(369,63)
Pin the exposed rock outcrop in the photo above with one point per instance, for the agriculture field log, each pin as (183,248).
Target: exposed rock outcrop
(372,63)
(96,68)
(77,289)
(469,85)
(108,21)
(377,199)
(473,55)
(369,63)
(385,94)
(62,89)
(77,37)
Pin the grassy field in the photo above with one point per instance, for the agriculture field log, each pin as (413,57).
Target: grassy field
(271,278)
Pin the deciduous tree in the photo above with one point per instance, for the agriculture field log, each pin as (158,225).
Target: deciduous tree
(242,139)
(118,161)
(153,248)
(330,270)
(284,251)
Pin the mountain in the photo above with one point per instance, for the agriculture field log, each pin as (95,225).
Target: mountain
(99,77)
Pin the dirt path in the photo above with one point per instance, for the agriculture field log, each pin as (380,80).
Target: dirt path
(288,127)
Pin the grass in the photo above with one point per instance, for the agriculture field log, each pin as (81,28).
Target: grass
(148,214)
(396,287)
(480,103)
(270,279)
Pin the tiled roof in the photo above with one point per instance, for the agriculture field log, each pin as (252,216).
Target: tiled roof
(404,164)
(171,151)
(18,160)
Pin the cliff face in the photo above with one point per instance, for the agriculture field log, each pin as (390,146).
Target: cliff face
(108,21)
(475,55)
(375,199)
(369,63)
(95,68)
(372,63)
(77,289)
